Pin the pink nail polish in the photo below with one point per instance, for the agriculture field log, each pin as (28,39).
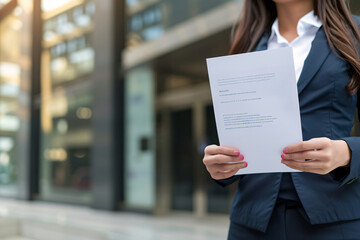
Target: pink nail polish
(237,152)
(282,156)
(246,164)
(242,157)
(285,150)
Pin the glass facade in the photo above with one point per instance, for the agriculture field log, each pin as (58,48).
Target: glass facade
(3,3)
(185,123)
(168,116)
(176,75)
(10,94)
(66,95)
(149,19)
(139,139)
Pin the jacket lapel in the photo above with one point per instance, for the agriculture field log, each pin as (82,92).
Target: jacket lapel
(320,50)
(263,43)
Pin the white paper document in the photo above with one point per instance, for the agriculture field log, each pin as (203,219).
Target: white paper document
(256,106)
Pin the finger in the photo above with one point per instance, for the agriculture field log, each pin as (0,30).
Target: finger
(220,176)
(214,149)
(222,159)
(315,143)
(230,167)
(309,166)
(215,168)
(303,155)
(311,170)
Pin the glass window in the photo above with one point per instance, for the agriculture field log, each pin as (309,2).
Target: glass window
(10,73)
(3,3)
(66,94)
(139,139)
(355,7)
(149,19)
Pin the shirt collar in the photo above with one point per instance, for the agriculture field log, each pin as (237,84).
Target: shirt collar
(306,23)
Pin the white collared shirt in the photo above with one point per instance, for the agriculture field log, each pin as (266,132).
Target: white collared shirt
(307,28)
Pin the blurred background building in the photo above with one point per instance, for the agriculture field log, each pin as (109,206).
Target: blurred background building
(106,103)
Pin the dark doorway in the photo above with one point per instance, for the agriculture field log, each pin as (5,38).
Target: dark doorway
(182,160)
(219,200)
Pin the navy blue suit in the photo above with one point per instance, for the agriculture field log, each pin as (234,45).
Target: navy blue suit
(327,110)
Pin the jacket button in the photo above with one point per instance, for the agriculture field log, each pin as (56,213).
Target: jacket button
(352,180)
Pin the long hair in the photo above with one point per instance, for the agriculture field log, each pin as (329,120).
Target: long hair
(341,31)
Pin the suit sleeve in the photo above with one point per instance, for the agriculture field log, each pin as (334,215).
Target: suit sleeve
(347,175)
(228,181)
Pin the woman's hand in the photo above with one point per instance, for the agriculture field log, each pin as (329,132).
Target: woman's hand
(322,154)
(223,162)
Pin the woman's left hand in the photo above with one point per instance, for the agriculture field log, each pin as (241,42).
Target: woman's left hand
(322,155)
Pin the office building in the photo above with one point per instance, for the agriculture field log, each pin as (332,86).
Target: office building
(107,104)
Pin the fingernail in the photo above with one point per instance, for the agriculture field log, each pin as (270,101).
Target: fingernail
(285,150)
(237,152)
(282,156)
(245,164)
(242,157)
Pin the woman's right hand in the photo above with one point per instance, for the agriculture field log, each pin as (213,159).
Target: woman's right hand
(223,162)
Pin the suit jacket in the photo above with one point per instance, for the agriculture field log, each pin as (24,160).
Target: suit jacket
(327,110)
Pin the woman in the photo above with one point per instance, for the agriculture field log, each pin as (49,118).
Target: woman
(323,201)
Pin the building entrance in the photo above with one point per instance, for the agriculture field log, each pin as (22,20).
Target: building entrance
(182,160)
(185,125)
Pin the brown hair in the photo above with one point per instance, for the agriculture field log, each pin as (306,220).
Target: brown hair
(341,31)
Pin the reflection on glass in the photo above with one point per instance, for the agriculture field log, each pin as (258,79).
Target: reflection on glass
(49,5)
(66,110)
(355,7)
(10,71)
(219,199)
(3,3)
(149,19)
(139,134)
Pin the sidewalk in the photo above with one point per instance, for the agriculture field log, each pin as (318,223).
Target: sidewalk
(57,222)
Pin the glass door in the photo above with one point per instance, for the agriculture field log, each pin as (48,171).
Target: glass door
(68,59)
(185,126)
(10,73)
(219,198)
(182,160)
(15,84)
